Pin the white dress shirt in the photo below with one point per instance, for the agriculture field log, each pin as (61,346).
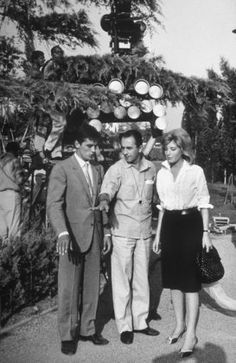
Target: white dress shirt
(187,191)
(83,165)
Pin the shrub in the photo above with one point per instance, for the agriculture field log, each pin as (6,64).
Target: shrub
(28,271)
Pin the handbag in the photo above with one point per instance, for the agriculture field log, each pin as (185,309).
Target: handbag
(209,266)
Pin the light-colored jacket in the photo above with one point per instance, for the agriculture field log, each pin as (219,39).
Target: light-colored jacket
(130,192)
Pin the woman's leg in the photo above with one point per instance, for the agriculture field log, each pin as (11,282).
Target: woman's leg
(178,300)
(192,305)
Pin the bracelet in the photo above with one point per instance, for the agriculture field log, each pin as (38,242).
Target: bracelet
(206,230)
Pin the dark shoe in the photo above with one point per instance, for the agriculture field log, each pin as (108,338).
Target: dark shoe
(148,331)
(153,315)
(95,339)
(68,347)
(187,353)
(127,337)
(174,339)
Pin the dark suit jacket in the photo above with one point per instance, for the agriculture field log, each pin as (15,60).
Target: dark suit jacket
(69,202)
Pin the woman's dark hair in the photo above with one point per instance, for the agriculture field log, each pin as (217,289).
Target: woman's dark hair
(182,140)
(132,133)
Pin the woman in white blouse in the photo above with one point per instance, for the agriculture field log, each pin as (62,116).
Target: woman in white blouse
(182,230)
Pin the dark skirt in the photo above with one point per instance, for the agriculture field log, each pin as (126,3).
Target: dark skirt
(181,240)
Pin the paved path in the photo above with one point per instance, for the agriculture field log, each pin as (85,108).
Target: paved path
(37,341)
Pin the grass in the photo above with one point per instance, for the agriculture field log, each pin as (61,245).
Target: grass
(223,206)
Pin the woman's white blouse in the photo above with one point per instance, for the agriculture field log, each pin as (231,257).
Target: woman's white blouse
(187,191)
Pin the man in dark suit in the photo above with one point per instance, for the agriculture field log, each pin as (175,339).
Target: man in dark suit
(72,198)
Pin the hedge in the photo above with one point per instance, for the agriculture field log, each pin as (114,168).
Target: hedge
(28,271)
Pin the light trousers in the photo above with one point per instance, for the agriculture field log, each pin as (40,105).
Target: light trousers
(10,214)
(130,287)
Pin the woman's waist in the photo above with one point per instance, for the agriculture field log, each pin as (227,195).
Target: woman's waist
(182,212)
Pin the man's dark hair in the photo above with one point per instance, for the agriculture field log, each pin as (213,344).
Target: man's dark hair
(54,49)
(86,132)
(13,147)
(35,55)
(136,135)
(75,119)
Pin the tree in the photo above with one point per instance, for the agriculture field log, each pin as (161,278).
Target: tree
(10,57)
(41,18)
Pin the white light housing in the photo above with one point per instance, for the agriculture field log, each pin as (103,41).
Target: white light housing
(120,112)
(161,123)
(159,110)
(155,91)
(116,86)
(134,112)
(146,106)
(96,124)
(141,86)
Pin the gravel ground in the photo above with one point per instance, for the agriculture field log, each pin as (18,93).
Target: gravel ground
(37,340)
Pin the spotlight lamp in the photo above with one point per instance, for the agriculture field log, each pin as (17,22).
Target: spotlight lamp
(141,87)
(146,106)
(96,124)
(120,112)
(143,106)
(116,86)
(159,110)
(155,91)
(161,123)
(134,112)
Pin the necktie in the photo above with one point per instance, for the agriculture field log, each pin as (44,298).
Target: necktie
(89,181)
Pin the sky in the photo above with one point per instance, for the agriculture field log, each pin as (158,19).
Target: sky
(197,34)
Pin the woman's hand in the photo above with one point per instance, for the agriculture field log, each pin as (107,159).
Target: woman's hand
(156,247)
(206,241)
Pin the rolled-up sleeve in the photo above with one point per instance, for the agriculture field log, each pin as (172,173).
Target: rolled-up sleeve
(202,191)
(111,182)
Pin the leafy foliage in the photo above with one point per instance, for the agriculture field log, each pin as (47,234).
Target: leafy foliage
(10,57)
(28,271)
(64,26)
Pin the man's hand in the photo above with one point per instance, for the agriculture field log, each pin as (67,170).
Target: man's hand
(106,245)
(64,243)
(102,206)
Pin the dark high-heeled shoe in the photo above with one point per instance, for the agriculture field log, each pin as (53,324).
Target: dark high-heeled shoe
(187,353)
(173,340)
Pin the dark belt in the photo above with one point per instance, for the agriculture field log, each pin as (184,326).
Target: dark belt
(182,212)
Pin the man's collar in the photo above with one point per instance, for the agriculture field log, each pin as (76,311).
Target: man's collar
(144,165)
(81,161)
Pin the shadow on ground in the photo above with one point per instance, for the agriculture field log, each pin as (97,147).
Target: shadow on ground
(210,353)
